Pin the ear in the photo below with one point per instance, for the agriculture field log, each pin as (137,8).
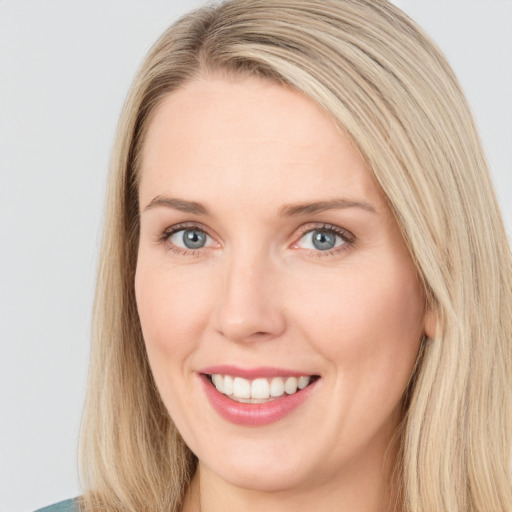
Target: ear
(430,323)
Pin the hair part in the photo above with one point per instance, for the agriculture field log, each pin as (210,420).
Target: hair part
(393,93)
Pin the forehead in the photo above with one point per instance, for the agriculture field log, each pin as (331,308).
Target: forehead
(246,137)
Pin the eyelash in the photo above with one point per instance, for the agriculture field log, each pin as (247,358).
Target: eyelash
(166,235)
(348,238)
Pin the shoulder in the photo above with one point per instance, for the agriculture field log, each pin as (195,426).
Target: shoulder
(62,506)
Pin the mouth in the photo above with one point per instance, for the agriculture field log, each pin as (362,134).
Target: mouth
(256,397)
(260,389)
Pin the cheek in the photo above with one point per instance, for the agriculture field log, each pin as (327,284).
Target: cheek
(172,308)
(362,305)
(368,324)
(172,311)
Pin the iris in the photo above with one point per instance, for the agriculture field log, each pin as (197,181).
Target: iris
(323,240)
(193,239)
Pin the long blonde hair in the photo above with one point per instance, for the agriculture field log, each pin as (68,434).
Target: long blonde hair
(394,94)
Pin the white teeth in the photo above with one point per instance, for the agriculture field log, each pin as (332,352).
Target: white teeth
(302,382)
(217,382)
(228,385)
(259,389)
(241,388)
(290,385)
(276,387)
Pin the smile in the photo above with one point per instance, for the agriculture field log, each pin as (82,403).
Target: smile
(258,396)
(260,389)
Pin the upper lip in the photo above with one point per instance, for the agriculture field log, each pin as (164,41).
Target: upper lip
(253,373)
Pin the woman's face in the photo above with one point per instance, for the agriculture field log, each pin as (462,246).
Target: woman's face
(269,261)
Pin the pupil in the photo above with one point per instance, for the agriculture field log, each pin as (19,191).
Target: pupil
(323,240)
(194,239)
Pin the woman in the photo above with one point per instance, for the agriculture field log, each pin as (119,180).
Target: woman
(304,293)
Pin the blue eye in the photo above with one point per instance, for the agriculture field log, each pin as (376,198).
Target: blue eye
(189,239)
(321,239)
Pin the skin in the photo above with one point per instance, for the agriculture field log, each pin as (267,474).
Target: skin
(259,293)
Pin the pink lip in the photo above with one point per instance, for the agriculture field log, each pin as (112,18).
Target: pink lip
(251,373)
(254,415)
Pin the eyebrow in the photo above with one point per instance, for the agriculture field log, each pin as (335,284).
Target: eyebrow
(322,206)
(177,204)
(291,210)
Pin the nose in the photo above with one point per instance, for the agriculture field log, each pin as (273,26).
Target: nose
(249,306)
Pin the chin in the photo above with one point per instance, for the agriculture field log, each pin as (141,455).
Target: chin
(262,479)
(261,466)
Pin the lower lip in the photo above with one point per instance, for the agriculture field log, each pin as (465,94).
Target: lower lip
(254,415)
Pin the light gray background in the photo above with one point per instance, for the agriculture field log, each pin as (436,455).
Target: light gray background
(65,67)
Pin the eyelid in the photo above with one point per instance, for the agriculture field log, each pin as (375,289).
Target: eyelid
(319,226)
(185,225)
(164,237)
(348,238)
